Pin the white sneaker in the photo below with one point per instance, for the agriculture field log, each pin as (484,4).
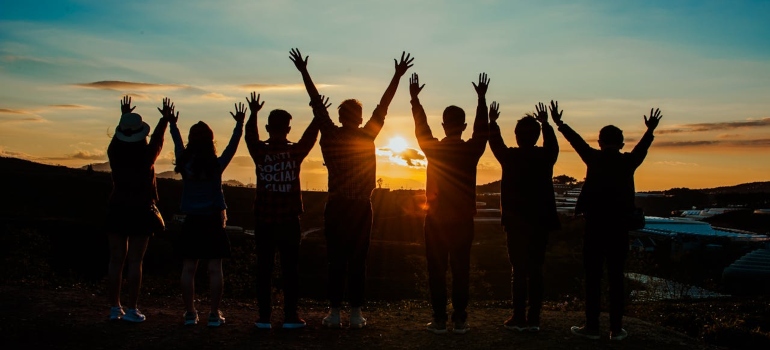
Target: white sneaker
(357,319)
(332,320)
(116,313)
(134,315)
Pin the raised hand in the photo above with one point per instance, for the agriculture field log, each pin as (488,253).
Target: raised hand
(481,89)
(555,113)
(414,85)
(405,64)
(254,104)
(654,119)
(296,57)
(240,112)
(321,101)
(125,105)
(542,113)
(494,112)
(168,111)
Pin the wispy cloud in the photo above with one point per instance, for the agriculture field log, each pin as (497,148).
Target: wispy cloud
(70,106)
(756,143)
(698,127)
(119,85)
(676,163)
(280,87)
(409,157)
(216,96)
(18,115)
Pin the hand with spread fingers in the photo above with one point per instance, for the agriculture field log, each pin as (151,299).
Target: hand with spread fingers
(240,112)
(296,57)
(322,101)
(654,119)
(414,86)
(494,112)
(254,104)
(404,65)
(481,88)
(125,105)
(168,111)
(555,113)
(541,113)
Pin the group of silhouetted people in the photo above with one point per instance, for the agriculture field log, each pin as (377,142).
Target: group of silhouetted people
(527,204)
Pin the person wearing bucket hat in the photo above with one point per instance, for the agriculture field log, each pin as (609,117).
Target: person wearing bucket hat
(132,217)
(203,203)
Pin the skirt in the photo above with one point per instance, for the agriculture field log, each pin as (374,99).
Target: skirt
(203,236)
(133,220)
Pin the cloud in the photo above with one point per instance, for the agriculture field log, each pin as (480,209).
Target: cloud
(119,85)
(279,87)
(70,106)
(18,115)
(698,127)
(676,163)
(86,155)
(756,143)
(409,157)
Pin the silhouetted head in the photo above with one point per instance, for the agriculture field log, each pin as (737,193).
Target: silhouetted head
(611,138)
(200,154)
(200,132)
(278,124)
(131,128)
(527,131)
(351,113)
(454,121)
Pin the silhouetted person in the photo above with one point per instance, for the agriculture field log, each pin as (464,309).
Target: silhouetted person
(451,199)
(277,207)
(349,157)
(607,202)
(528,209)
(203,203)
(132,216)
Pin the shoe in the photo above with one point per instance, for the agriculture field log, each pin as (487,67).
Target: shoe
(216,319)
(461,327)
(294,323)
(619,335)
(263,323)
(332,320)
(514,325)
(116,313)
(585,333)
(357,320)
(134,315)
(190,318)
(437,327)
(533,329)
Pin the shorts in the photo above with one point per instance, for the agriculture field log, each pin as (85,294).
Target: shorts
(203,237)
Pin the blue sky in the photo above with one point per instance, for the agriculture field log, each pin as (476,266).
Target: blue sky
(607,62)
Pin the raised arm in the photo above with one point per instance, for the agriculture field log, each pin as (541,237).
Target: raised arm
(375,123)
(174,129)
(168,116)
(481,124)
(550,144)
(640,150)
(232,146)
(301,64)
(308,139)
(421,129)
(581,146)
(496,142)
(252,128)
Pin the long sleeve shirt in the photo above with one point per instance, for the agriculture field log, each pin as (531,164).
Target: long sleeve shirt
(451,175)
(205,196)
(609,186)
(133,168)
(527,182)
(278,165)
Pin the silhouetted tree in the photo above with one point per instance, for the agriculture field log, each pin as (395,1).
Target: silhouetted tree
(564,180)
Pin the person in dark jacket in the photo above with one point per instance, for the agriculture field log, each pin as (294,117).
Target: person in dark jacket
(607,202)
(450,193)
(132,215)
(528,209)
(277,207)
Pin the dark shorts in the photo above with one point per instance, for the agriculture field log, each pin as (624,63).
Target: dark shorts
(129,220)
(203,237)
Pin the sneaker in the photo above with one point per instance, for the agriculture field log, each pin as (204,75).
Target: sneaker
(585,333)
(263,323)
(116,313)
(293,323)
(190,318)
(357,320)
(134,315)
(534,329)
(461,327)
(619,335)
(332,320)
(437,327)
(216,319)
(514,325)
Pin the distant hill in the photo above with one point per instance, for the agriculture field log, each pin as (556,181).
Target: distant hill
(751,187)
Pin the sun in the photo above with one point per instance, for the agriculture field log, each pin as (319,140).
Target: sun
(397,144)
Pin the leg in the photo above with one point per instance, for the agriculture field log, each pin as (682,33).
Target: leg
(537,246)
(616,259)
(334,217)
(289,238)
(216,283)
(436,253)
(517,255)
(188,283)
(359,249)
(460,262)
(265,247)
(593,263)
(137,246)
(118,245)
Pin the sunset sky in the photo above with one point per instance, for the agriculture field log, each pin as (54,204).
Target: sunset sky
(64,66)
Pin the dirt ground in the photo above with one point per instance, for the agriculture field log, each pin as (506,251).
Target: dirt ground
(75,317)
